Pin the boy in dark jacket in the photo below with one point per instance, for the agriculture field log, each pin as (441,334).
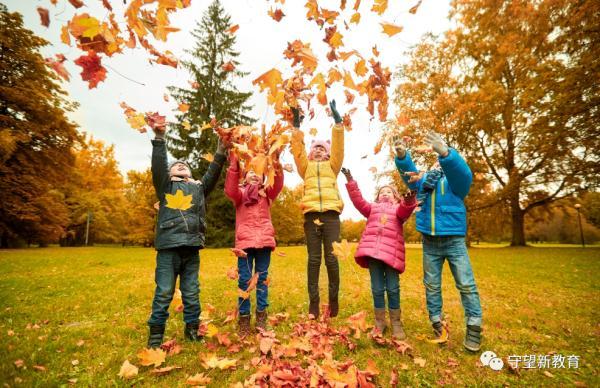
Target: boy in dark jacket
(179,236)
(442,219)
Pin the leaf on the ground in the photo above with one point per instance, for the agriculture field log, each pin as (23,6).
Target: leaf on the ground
(548,374)
(420,361)
(39,368)
(265,344)
(401,346)
(358,322)
(391,29)
(128,370)
(342,250)
(442,339)
(452,362)
(179,201)
(211,361)
(171,347)
(371,368)
(394,378)
(231,316)
(152,357)
(164,371)
(74,362)
(211,330)
(198,379)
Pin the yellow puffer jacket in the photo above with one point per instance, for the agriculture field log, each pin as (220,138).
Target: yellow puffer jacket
(321,192)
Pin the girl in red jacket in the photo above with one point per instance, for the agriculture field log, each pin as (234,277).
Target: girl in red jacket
(254,235)
(381,248)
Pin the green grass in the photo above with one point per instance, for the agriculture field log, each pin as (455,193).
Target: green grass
(535,301)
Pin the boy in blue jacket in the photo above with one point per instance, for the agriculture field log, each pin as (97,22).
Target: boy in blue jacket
(443,223)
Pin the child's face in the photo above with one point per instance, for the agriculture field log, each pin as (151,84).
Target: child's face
(319,153)
(180,169)
(386,195)
(253,179)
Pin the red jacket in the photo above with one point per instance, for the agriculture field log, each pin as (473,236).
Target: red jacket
(253,227)
(383,237)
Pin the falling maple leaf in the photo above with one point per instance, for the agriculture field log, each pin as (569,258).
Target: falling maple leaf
(211,361)
(179,201)
(156,121)
(198,379)
(44,16)
(233,29)
(58,67)
(391,29)
(349,97)
(76,3)
(228,66)
(277,15)
(379,6)
(183,107)
(271,79)
(415,7)
(209,157)
(128,370)
(152,357)
(342,250)
(93,71)
(360,68)
(355,18)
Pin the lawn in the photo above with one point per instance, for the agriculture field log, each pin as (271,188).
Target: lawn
(79,313)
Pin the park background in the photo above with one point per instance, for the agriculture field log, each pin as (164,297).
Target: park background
(512,85)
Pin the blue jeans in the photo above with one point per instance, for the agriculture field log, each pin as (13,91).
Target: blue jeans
(384,279)
(260,260)
(170,263)
(436,249)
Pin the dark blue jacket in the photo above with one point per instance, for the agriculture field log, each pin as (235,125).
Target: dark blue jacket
(175,227)
(443,212)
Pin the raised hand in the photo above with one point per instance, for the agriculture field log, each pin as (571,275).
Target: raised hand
(436,142)
(297,118)
(336,115)
(347,174)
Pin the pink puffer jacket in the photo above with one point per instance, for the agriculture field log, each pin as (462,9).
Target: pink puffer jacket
(253,227)
(383,237)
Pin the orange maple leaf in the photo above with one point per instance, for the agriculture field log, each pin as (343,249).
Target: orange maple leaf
(391,29)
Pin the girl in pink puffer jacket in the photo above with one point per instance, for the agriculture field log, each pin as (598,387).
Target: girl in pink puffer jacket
(381,248)
(254,236)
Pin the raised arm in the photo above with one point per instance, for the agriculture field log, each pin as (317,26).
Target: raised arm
(356,197)
(407,205)
(160,166)
(405,165)
(273,191)
(337,148)
(457,172)
(211,177)
(232,187)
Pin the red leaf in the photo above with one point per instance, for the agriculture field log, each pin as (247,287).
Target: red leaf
(228,66)
(58,67)
(93,71)
(44,16)
(76,3)
(156,121)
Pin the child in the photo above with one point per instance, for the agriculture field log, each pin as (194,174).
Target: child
(321,205)
(179,236)
(254,234)
(443,222)
(381,248)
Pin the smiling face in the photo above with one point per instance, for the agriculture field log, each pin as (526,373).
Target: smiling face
(180,169)
(386,194)
(319,153)
(253,179)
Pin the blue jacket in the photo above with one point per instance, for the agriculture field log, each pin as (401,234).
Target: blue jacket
(443,212)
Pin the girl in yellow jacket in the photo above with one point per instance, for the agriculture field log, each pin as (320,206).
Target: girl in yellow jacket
(321,205)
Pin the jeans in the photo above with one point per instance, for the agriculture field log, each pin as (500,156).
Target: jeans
(384,280)
(435,250)
(170,263)
(260,260)
(321,238)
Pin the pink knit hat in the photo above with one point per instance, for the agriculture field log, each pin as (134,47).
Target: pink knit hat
(323,143)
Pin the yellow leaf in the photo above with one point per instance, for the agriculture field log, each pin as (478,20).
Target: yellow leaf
(184,107)
(205,126)
(137,121)
(211,361)
(128,370)
(342,250)
(420,361)
(186,125)
(318,222)
(414,8)
(333,76)
(208,157)
(379,6)
(313,131)
(152,357)
(64,35)
(355,18)
(89,26)
(270,80)
(391,29)
(211,330)
(336,40)
(179,201)
(443,338)
(360,68)
(198,379)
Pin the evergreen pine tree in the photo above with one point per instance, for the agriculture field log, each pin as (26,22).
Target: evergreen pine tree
(213,96)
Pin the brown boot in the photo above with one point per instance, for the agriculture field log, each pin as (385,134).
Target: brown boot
(397,329)
(313,308)
(380,323)
(243,325)
(261,320)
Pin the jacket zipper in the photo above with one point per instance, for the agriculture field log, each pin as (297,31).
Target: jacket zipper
(319,186)
(443,187)
(433,211)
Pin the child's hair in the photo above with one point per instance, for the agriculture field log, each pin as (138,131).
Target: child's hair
(394,191)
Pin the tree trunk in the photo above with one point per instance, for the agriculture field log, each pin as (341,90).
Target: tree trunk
(518,224)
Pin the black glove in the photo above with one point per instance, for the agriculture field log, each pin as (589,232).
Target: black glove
(297,118)
(336,115)
(347,174)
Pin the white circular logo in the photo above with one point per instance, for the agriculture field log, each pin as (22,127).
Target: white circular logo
(486,357)
(496,363)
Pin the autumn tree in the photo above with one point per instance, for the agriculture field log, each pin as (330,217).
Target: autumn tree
(212,94)
(514,86)
(287,216)
(35,139)
(96,190)
(141,213)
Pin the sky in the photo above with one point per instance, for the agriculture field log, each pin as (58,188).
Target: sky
(261,42)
